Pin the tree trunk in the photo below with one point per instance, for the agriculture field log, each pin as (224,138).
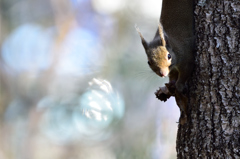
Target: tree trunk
(213,127)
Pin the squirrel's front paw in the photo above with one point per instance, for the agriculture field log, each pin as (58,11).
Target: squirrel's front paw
(163,94)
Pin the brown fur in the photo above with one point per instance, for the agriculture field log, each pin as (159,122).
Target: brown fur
(177,21)
(159,57)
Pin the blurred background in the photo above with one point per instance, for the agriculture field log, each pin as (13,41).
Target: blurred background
(75,84)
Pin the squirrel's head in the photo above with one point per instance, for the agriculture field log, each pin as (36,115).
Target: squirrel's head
(159,59)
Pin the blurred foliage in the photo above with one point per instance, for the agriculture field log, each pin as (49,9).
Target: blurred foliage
(74,82)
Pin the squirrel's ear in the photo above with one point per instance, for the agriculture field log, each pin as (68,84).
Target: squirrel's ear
(160,29)
(144,42)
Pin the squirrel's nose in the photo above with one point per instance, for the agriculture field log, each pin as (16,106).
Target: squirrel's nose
(161,74)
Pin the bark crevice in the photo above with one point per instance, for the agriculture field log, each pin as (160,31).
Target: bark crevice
(213,128)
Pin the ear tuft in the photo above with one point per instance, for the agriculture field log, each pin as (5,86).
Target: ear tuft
(144,42)
(160,29)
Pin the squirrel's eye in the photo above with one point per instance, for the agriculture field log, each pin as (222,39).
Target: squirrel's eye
(169,56)
(149,63)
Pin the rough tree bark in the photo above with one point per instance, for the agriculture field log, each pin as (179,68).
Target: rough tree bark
(213,128)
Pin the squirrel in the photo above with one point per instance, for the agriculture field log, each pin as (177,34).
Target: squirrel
(170,53)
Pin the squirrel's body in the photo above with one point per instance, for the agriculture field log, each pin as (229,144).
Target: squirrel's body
(170,53)
(178,23)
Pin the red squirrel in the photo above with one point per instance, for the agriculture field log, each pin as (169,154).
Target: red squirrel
(170,53)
